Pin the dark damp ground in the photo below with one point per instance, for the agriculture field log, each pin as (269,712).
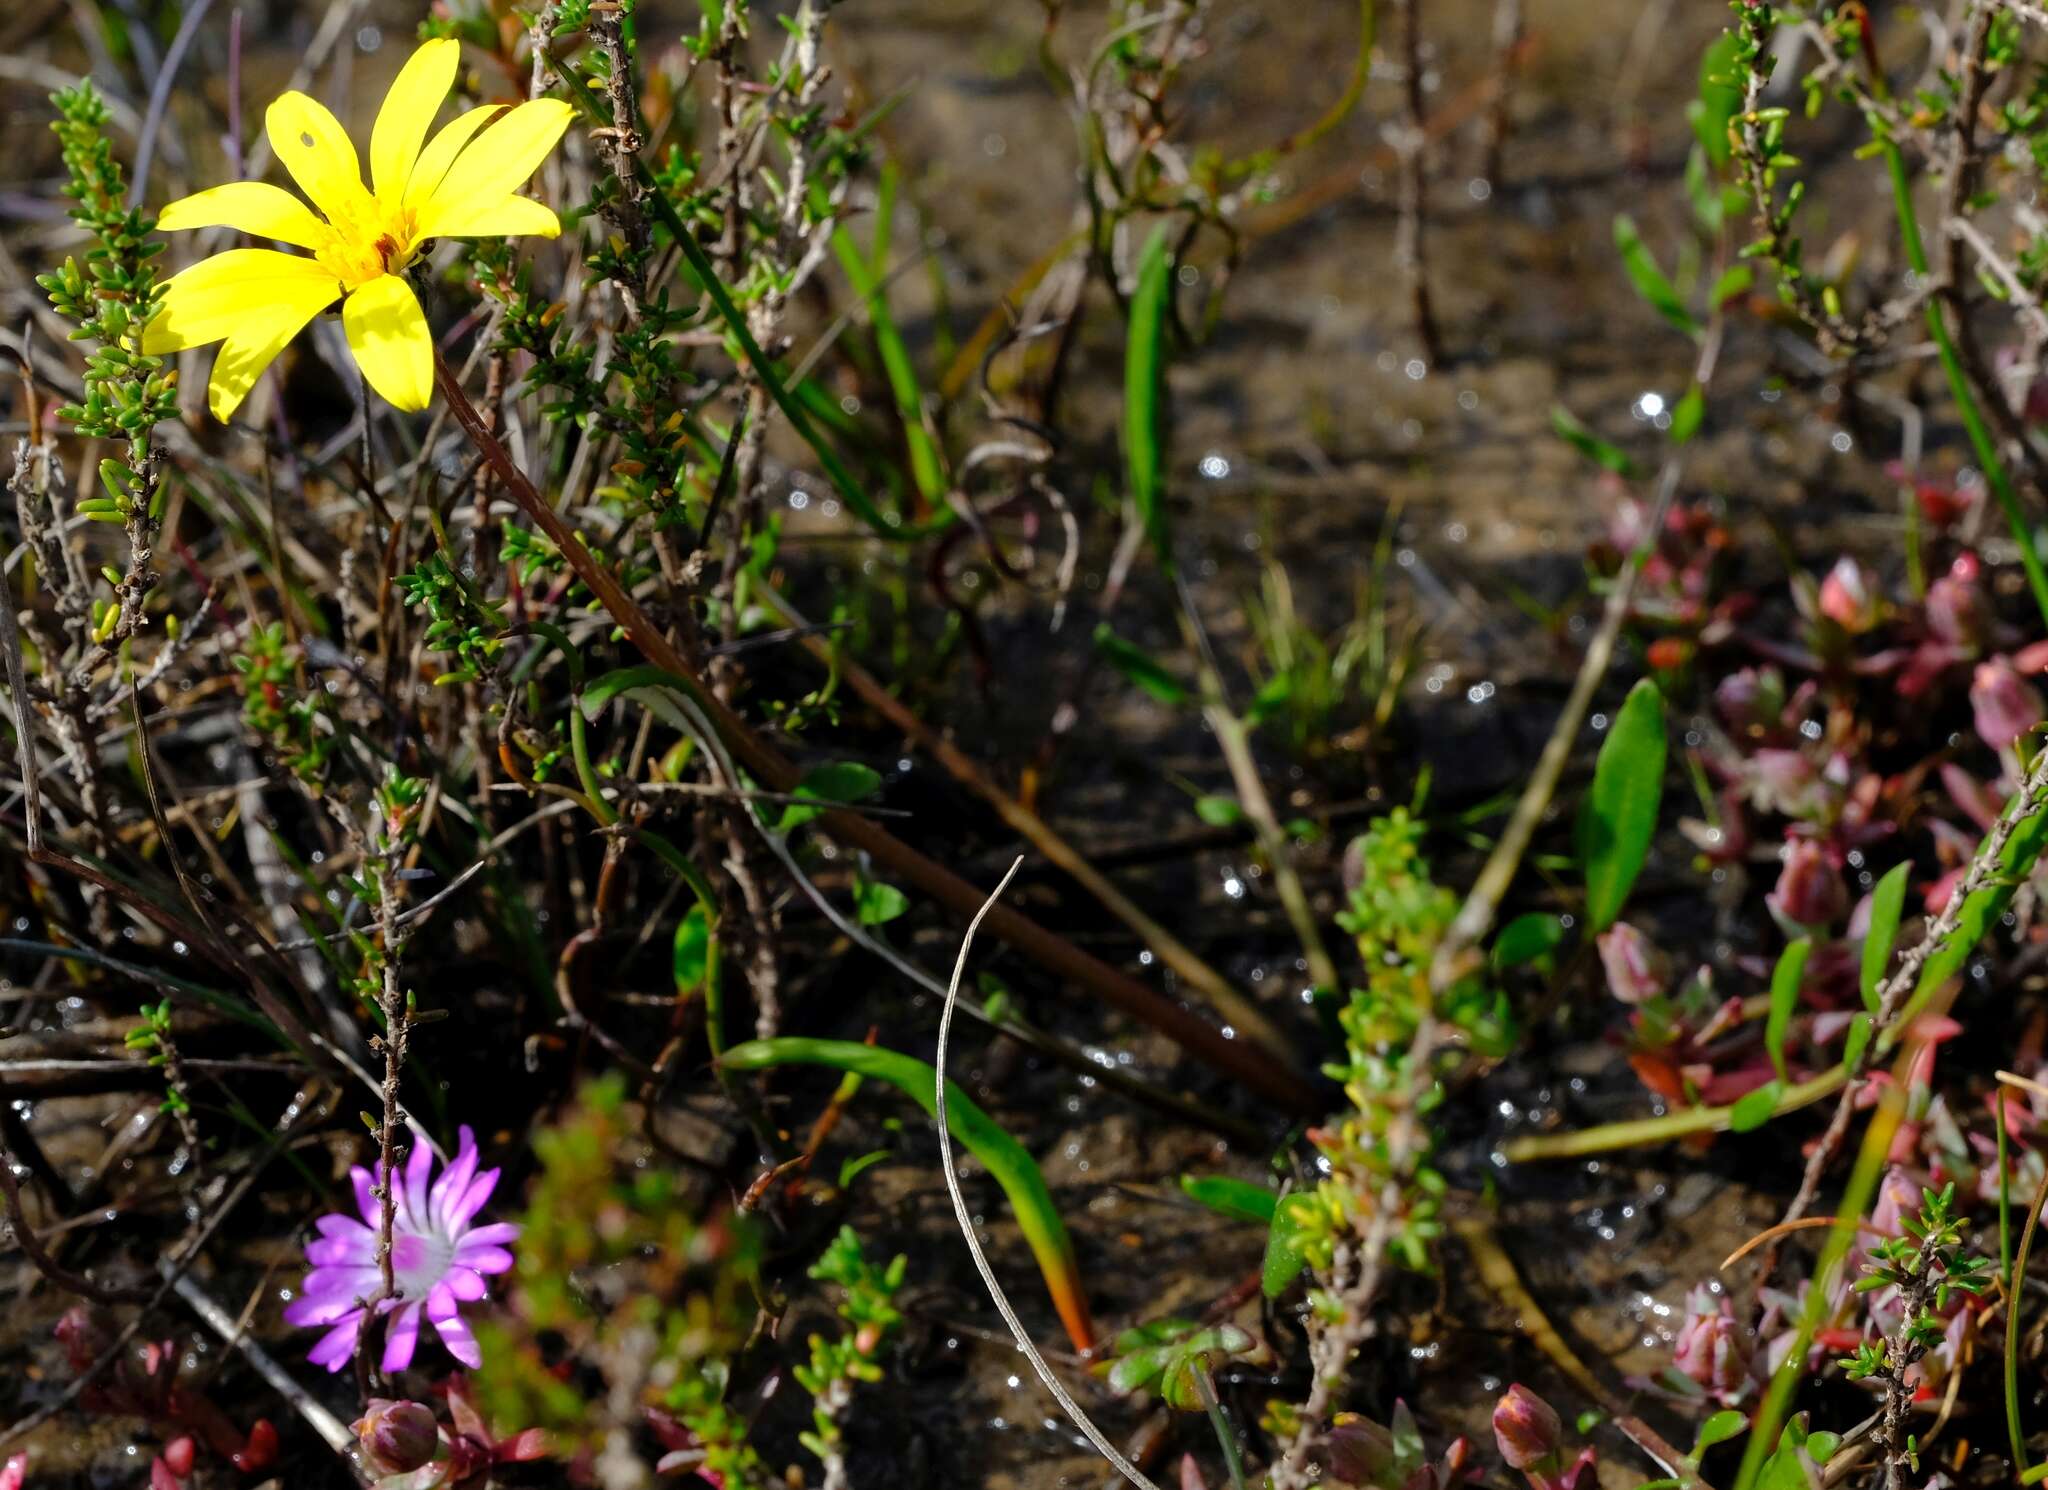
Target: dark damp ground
(1304,426)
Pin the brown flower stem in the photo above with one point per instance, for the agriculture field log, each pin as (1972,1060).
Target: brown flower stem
(1239,1059)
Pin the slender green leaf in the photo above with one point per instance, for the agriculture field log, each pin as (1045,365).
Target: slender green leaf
(693,951)
(1238,1198)
(1620,814)
(1685,419)
(1219,812)
(1528,938)
(1284,1259)
(832,784)
(868,276)
(1785,979)
(1720,98)
(1600,452)
(1755,1108)
(1145,389)
(1140,666)
(1887,901)
(1735,280)
(1649,280)
(853,1168)
(1858,1040)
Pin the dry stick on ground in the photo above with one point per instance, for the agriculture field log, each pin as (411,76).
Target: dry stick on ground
(1411,146)
(32,1246)
(1236,1058)
(1188,965)
(1507,36)
(1067,1404)
(1234,740)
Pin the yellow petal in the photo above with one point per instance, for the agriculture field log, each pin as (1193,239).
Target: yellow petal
(409,107)
(432,166)
(389,336)
(253,207)
(253,346)
(507,217)
(316,150)
(495,163)
(216,296)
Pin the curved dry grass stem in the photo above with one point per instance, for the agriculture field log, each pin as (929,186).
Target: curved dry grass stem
(1769,1234)
(2022,1083)
(1067,1404)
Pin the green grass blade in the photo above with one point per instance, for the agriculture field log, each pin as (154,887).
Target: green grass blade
(1008,1162)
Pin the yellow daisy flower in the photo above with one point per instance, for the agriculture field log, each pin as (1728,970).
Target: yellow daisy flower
(461,185)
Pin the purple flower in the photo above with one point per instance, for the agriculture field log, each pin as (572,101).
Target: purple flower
(438,1260)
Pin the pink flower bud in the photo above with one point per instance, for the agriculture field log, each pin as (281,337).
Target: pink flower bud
(2006,705)
(1786,781)
(1810,891)
(1360,1451)
(398,1437)
(1636,968)
(180,1453)
(1525,1428)
(1751,701)
(1849,598)
(1958,611)
(1712,1349)
(14,1473)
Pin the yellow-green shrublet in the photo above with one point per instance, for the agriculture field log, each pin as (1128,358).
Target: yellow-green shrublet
(460,184)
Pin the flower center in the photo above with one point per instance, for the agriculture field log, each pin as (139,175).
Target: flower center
(419,1261)
(367,239)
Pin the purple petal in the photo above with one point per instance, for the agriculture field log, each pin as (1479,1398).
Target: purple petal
(456,1336)
(349,1283)
(497,1234)
(412,1193)
(404,1336)
(338,1344)
(349,1251)
(483,1259)
(332,1225)
(472,1200)
(365,1201)
(310,1309)
(454,1180)
(466,1284)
